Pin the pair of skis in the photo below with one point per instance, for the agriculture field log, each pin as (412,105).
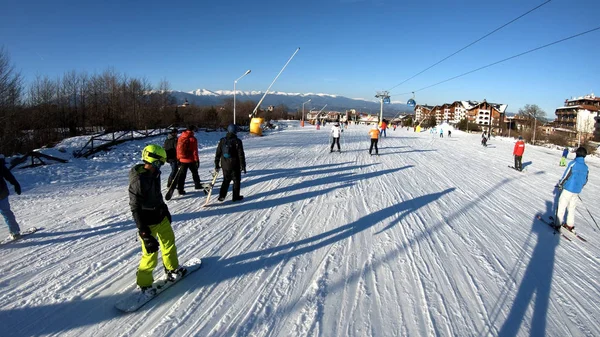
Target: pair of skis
(567,234)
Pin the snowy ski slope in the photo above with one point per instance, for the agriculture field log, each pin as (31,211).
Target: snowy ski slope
(434,237)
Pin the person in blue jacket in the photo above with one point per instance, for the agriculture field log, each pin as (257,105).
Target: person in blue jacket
(572,182)
(563,159)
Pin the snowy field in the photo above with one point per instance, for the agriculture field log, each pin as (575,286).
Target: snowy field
(434,237)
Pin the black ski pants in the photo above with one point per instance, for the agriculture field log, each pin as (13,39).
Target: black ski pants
(518,163)
(228,176)
(374,143)
(194,169)
(335,141)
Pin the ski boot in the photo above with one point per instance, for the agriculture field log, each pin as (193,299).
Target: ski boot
(174,275)
(148,291)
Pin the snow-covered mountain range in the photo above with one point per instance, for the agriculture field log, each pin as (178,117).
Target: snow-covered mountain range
(292,100)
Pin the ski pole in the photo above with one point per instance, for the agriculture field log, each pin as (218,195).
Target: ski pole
(588,211)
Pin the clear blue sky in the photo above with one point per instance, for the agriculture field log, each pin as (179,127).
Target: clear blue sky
(348,47)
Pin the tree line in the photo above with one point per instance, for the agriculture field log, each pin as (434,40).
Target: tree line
(48,110)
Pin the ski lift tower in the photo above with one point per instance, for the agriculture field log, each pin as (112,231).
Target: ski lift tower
(384,97)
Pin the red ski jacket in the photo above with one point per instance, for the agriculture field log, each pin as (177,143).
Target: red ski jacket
(187,147)
(519,148)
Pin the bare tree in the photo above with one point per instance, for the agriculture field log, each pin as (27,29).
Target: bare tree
(11,94)
(532,113)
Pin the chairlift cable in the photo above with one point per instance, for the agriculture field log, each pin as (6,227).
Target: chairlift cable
(504,60)
(469,45)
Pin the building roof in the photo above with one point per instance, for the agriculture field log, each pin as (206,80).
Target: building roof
(469,105)
(590,97)
(581,106)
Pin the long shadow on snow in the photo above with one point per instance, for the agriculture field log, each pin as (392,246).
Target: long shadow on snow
(537,280)
(343,180)
(62,317)
(45,237)
(298,172)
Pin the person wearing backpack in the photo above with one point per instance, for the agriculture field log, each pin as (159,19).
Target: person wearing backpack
(170,146)
(187,155)
(231,158)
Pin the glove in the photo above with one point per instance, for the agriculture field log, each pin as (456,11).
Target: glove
(18,189)
(244,170)
(217,168)
(150,243)
(197,165)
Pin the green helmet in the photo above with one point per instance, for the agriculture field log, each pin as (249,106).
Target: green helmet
(154,154)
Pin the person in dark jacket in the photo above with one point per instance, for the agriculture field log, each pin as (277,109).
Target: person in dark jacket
(170,146)
(570,185)
(9,216)
(187,155)
(152,218)
(230,156)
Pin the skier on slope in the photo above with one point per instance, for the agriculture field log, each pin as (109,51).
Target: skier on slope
(518,151)
(570,185)
(563,159)
(374,133)
(335,134)
(230,156)
(9,216)
(170,146)
(152,218)
(187,155)
(383,128)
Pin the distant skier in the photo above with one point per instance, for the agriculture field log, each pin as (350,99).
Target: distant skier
(570,185)
(518,151)
(152,218)
(563,159)
(449,133)
(187,155)
(441,133)
(484,139)
(335,134)
(230,156)
(383,128)
(318,125)
(170,146)
(374,139)
(9,216)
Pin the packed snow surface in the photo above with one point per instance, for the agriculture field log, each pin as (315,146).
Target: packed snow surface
(433,237)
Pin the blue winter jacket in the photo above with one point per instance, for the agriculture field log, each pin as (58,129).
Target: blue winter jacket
(575,176)
(565,153)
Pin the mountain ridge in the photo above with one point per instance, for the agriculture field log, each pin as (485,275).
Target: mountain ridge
(293,101)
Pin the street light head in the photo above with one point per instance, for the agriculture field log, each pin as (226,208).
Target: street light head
(247,72)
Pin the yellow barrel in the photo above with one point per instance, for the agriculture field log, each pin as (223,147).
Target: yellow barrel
(255,126)
(418,129)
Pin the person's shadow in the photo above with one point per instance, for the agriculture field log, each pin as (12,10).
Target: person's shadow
(536,280)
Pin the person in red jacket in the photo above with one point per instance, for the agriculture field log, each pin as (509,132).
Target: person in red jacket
(518,153)
(187,155)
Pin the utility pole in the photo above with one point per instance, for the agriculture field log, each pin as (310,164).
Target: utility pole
(383,96)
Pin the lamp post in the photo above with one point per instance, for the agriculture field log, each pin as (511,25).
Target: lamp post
(302,122)
(234,83)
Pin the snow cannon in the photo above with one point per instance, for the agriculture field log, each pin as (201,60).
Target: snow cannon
(255,126)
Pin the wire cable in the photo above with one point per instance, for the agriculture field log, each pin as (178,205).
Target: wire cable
(469,45)
(503,60)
